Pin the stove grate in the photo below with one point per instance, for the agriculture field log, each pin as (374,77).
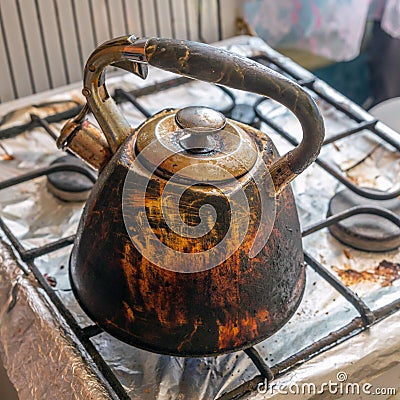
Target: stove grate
(366,317)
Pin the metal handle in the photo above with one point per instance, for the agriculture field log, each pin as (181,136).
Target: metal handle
(210,64)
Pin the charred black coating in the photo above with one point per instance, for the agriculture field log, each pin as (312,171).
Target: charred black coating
(234,305)
(231,306)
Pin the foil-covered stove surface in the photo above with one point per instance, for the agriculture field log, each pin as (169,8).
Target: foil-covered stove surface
(36,217)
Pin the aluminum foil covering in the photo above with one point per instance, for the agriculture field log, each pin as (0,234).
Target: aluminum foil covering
(36,343)
(42,357)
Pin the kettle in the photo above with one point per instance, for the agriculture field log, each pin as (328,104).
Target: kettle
(189,244)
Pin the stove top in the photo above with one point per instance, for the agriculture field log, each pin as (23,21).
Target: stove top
(348,290)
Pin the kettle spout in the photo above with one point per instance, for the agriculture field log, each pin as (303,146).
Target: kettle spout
(83,139)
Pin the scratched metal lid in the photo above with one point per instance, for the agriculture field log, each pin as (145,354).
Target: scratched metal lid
(196,143)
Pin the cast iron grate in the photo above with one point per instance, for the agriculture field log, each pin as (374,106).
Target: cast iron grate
(366,317)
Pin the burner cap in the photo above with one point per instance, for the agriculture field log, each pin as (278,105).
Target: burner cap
(245,113)
(364,231)
(69,185)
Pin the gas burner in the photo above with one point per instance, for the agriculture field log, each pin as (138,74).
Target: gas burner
(241,112)
(69,185)
(245,113)
(364,231)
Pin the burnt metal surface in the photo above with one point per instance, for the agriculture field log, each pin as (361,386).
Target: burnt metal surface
(201,126)
(123,52)
(225,319)
(202,118)
(229,307)
(234,153)
(80,137)
(365,231)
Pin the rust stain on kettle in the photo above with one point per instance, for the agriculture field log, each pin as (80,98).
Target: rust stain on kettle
(230,331)
(239,302)
(128,311)
(190,337)
(243,299)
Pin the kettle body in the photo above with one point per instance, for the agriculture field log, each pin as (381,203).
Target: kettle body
(132,288)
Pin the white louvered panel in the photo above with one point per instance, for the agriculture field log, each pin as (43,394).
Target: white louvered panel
(116,18)
(50,40)
(230,10)
(165,18)
(150,23)
(178,8)
(31,12)
(7,91)
(84,25)
(19,61)
(209,19)
(70,40)
(100,20)
(135,22)
(192,9)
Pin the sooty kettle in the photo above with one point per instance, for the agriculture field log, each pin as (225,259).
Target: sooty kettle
(189,243)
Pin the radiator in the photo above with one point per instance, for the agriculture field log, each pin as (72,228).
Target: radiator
(44,43)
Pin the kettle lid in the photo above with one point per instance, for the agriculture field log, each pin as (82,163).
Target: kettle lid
(196,143)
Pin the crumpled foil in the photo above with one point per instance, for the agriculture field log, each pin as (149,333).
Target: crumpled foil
(36,218)
(40,353)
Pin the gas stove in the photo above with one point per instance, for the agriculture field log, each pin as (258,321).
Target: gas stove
(349,213)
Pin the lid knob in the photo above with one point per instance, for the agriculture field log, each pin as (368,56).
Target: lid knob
(200,125)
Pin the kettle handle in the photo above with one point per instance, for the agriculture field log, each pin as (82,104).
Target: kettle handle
(207,63)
